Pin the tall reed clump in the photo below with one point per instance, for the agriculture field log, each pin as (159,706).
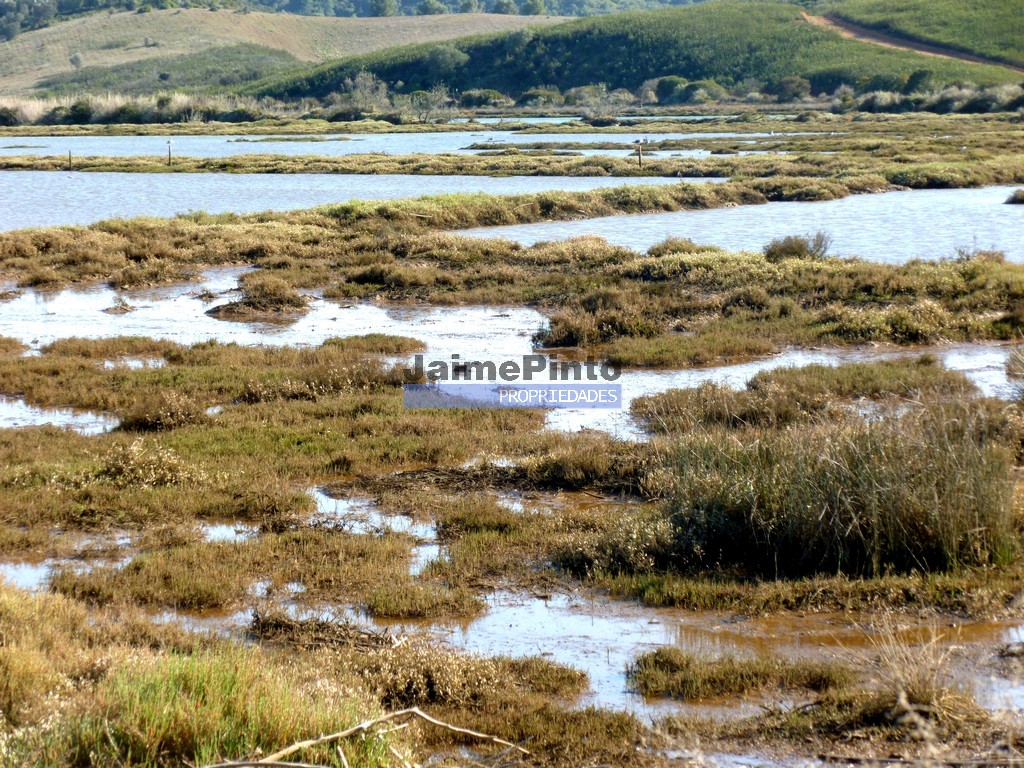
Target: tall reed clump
(926,490)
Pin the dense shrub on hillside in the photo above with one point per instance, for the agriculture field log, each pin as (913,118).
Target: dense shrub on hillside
(205,71)
(727,43)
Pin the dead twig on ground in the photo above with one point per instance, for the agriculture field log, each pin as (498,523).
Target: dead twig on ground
(412,712)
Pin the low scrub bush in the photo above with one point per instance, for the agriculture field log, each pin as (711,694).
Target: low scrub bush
(417,674)
(267,293)
(162,411)
(138,464)
(798,247)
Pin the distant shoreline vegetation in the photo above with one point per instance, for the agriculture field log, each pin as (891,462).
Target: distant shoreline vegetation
(359,103)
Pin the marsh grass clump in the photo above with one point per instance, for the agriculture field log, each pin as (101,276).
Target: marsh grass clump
(144,464)
(1015,364)
(412,600)
(267,293)
(596,325)
(673,245)
(589,461)
(217,574)
(196,576)
(924,322)
(151,273)
(122,690)
(927,490)
(10,347)
(707,346)
(798,247)
(42,278)
(375,343)
(784,396)
(316,381)
(912,695)
(918,678)
(475,513)
(262,294)
(678,674)
(112,348)
(163,411)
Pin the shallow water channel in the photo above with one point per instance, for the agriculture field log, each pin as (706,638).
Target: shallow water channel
(58,198)
(893,227)
(328,145)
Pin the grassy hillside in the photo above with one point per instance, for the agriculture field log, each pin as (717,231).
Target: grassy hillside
(720,40)
(993,29)
(104,40)
(210,70)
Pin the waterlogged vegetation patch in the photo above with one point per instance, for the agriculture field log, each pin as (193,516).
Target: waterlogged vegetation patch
(679,304)
(862,152)
(888,484)
(530,522)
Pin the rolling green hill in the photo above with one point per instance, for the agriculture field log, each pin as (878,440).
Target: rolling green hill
(723,40)
(993,29)
(210,70)
(103,40)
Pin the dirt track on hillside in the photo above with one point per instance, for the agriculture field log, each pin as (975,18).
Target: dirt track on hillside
(866,34)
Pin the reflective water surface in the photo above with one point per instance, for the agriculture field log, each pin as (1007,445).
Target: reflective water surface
(432,143)
(893,227)
(56,198)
